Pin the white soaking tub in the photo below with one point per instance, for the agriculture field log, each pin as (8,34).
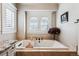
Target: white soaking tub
(52,44)
(43,48)
(49,44)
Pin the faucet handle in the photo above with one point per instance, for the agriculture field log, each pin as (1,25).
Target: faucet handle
(36,38)
(39,39)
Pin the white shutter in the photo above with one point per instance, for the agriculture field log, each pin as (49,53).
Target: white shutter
(8,19)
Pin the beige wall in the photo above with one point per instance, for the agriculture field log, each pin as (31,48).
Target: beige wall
(8,36)
(69,29)
(21,15)
(21,25)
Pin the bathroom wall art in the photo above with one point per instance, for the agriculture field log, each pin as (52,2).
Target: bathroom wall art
(64,17)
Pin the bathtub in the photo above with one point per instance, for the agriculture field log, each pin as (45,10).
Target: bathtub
(48,44)
(43,48)
(52,44)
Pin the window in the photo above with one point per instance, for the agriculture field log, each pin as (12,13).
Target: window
(33,24)
(38,25)
(44,23)
(9,19)
(13,21)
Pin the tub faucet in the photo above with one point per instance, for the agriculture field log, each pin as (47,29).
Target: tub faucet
(39,40)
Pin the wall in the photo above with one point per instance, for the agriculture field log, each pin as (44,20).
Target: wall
(14,4)
(69,29)
(8,36)
(25,7)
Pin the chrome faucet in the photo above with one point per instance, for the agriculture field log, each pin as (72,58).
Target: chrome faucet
(39,40)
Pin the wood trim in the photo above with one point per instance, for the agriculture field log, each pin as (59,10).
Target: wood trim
(46,54)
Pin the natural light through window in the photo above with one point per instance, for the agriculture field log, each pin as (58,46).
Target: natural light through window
(38,25)
(33,24)
(44,23)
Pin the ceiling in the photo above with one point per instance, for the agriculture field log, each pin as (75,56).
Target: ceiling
(39,6)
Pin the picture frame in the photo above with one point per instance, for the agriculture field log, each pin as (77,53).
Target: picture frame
(64,17)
